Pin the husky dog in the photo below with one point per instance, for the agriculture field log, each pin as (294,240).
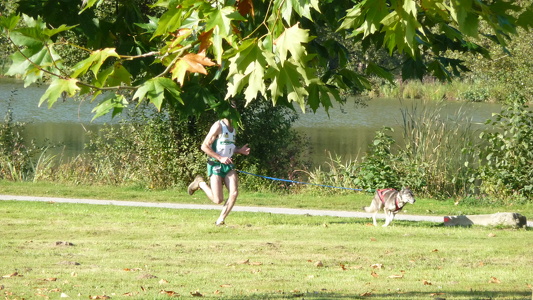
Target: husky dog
(391,201)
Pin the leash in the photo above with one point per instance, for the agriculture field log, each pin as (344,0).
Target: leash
(299,182)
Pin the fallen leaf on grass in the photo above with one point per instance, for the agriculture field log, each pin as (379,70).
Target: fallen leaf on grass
(196,294)
(64,243)
(396,276)
(366,294)
(163,281)
(494,280)
(99,297)
(256,263)
(130,294)
(319,264)
(377,266)
(49,279)
(343,267)
(374,274)
(16,274)
(132,270)
(435,250)
(373,239)
(170,293)
(225,285)
(244,262)
(426,282)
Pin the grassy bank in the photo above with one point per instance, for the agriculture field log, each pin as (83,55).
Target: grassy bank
(52,250)
(308,198)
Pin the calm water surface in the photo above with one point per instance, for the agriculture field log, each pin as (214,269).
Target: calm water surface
(346,132)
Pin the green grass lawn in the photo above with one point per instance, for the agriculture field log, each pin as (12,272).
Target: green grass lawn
(314,198)
(50,250)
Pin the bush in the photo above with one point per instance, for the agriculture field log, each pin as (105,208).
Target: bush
(506,160)
(160,150)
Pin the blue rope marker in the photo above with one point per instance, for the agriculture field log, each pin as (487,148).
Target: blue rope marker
(299,182)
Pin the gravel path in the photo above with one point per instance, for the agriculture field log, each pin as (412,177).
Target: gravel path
(273,210)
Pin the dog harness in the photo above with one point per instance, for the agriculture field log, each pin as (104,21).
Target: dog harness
(381,197)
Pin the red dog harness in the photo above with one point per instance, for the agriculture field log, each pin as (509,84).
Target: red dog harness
(380,194)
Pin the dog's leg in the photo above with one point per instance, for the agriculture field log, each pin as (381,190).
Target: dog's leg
(374,218)
(388,217)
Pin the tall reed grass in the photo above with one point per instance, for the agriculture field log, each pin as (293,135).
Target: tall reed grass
(432,157)
(456,90)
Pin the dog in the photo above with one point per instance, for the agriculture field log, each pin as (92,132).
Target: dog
(391,201)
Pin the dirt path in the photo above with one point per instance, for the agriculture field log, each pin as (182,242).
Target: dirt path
(273,210)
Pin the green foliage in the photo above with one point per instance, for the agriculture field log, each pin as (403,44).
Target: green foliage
(154,149)
(251,49)
(150,150)
(506,160)
(376,170)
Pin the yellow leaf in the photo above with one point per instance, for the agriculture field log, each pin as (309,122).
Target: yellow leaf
(170,293)
(196,294)
(494,280)
(396,276)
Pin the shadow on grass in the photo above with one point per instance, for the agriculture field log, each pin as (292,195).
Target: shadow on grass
(471,295)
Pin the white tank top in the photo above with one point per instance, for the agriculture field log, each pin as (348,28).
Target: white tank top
(224,145)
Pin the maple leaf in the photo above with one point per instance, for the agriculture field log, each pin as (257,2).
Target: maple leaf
(291,41)
(246,7)
(155,88)
(205,41)
(287,80)
(59,88)
(93,62)
(191,62)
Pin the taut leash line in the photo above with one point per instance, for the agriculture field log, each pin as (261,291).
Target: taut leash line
(299,182)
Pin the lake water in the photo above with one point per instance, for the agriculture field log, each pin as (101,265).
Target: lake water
(346,132)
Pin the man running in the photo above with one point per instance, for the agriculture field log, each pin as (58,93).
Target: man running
(219,145)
